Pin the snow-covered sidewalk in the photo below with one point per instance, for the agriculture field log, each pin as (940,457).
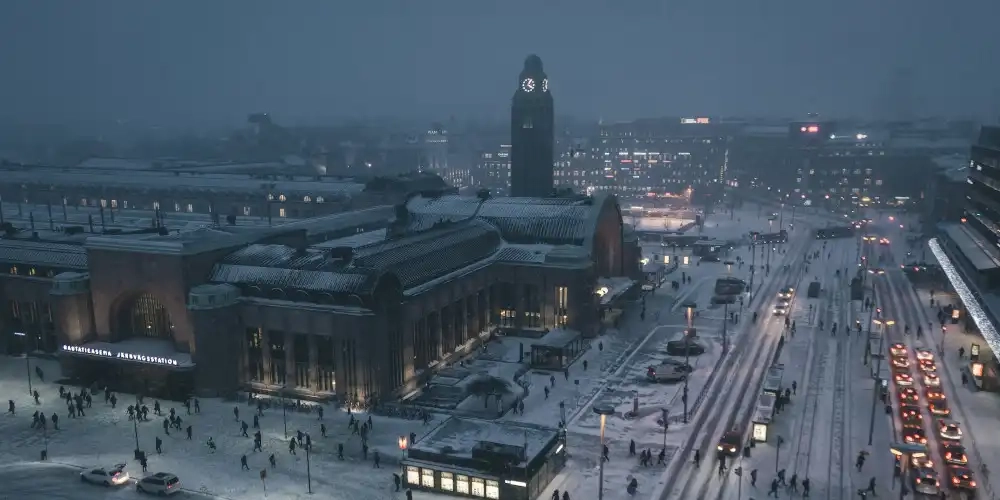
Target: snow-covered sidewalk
(106,436)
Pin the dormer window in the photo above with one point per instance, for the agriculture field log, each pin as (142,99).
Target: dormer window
(13,269)
(319,199)
(307,199)
(282,198)
(32,272)
(270,197)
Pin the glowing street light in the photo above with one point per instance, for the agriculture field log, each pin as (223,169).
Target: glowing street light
(603,410)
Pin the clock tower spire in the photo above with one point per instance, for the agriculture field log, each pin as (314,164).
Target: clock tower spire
(532,133)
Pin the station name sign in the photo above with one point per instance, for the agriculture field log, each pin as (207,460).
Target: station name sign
(126,356)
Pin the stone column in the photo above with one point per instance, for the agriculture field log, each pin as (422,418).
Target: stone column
(219,340)
(463,321)
(437,334)
(290,359)
(313,362)
(519,305)
(265,356)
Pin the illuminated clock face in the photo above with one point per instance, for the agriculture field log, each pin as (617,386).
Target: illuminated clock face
(545,85)
(528,85)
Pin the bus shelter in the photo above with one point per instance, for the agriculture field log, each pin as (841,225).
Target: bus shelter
(556,349)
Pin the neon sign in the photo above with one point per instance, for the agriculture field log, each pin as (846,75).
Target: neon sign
(126,356)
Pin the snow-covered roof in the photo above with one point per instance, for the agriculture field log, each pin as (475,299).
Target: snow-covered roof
(520,220)
(558,338)
(981,255)
(43,254)
(356,240)
(318,227)
(199,240)
(457,436)
(116,163)
(155,180)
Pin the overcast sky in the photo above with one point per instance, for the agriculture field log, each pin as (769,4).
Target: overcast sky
(208,60)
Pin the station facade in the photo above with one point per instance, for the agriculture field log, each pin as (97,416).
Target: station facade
(359,317)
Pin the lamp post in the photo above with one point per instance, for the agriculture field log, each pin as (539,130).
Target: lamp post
(309,479)
(284,415)
(666,414)
(753,266)
(725,310)
(690,307)
(603,410)
(884,325)
(135,426)
(27,361)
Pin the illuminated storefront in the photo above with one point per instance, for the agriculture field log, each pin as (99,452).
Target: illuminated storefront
(146,366)
(491,468)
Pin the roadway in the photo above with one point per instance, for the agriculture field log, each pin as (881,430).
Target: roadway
(730,404)
(49,481)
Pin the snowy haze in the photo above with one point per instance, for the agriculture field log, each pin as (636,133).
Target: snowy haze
(214,62)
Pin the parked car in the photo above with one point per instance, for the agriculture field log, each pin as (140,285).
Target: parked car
(161,483)
(682,347)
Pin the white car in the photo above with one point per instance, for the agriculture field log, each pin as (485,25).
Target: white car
(931,380)
(925,355)
(786,293)
(106,476)
(161,483)
(949,429)
(781,308)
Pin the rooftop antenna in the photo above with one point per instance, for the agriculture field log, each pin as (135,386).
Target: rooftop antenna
(90,222)
(31,219)
(65,215)
(52,223)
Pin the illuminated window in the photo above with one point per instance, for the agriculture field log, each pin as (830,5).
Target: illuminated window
(177,207)
(104,203)
(319,199)
(492,489)
(427,478)
(562,305)
(447,481)
(83,202)
(246,210)
(31,271)
(527,123)
(281,212)
(282,198)
(412,475)
(114,203)
(270,197)
(190,208)
(307,199)
(507,317)
(878,182)
(156,205)
(478,488)
(461,484)
(13,269)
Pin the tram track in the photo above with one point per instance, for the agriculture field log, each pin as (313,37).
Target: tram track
(748,362)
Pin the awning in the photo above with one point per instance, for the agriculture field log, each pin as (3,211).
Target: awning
(979,316)
(139,351)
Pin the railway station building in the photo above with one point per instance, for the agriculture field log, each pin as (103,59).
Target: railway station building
(356,306)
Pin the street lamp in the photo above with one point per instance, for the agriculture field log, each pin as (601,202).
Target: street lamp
(135,426)
(309,479)
(690,307)
(603,410)
(725,311)
(27,362)
(666,414)
(884,324)
(284,416)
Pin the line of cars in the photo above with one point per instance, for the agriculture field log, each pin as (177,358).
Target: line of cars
(784,303)
(160,483)
(949,432)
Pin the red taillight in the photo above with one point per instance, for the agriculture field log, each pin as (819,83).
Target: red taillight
(947,455)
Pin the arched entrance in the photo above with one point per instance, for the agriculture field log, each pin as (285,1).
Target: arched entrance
(142,315)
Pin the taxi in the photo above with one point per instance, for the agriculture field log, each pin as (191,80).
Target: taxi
(925,355)
(932,380)
(914,434)
(928,366)
(900,362)
(954,453)
(908,395)
(961,477)
(903,379)
(949,429)
(897,350)
(910,414)
(934,394)
(925,481)
(939,408)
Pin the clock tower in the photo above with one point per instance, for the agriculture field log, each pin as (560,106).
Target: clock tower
(532,133)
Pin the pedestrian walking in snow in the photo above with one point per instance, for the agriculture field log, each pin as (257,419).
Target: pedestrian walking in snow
(243,463)
(319,410)
(409,494)
(197,406)
(55,421)
(793,483)
(159,445)
(753,478)
(795,386)
(697,457)
(565,495)
(860,462)
(774,488)
(584,367)
(555,495)
(546,389)
(376,460)
(781,477)
(661,458)
(965,379)
(114,401)
(187,406)
(257,444)
(340,451)
(605,456)
(396,480)
(805,488)
(236,413)
(291,446)
(271,460)
(244,427)
(35,394)
(631,447)
(166,426)
(156,409)
(871,486)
